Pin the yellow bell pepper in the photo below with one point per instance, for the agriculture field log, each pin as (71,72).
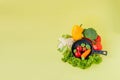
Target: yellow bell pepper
(77,32)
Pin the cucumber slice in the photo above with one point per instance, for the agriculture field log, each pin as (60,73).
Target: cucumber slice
(83,44)
(88,46)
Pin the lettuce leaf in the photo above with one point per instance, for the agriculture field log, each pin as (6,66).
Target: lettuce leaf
(77,62)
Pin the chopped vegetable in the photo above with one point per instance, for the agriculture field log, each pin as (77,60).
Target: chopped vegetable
(90,33)
(74,50)
(86,53)
(88,46)
(83,44)
(84,49)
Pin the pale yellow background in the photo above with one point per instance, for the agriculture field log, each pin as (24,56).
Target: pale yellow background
(29,32)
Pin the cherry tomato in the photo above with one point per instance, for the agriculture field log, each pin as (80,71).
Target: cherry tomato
(98,39)
(79,48)
(84,49)
(78,54)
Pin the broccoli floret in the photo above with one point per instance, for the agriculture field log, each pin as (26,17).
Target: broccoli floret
(90,33)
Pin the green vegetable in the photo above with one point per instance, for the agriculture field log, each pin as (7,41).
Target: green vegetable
(83,58)
(66,36)
(77,62)
(63,49)
(83,44)
(66,51)
(97,58)
(74,50)
(90,33)
(88,46)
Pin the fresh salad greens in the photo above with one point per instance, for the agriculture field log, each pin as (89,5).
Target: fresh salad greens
(77,62)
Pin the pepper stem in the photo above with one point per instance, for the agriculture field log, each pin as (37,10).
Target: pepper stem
(81,25)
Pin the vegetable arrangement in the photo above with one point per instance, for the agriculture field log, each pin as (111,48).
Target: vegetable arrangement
(82,48)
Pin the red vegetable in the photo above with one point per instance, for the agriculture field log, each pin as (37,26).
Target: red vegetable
(79,48)
(94,47)
(98,39)
(84,49)
(78,54)
(86,53)
(97,46)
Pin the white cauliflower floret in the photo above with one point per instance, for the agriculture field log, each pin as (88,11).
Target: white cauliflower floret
(65,42)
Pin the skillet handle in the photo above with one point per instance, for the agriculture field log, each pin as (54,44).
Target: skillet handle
(100,52)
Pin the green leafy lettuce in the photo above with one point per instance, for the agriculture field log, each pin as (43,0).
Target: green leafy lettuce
(77,62)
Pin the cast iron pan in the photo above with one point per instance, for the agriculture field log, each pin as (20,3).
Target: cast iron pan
(86,41)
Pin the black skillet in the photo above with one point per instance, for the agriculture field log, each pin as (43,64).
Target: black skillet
(86,41)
